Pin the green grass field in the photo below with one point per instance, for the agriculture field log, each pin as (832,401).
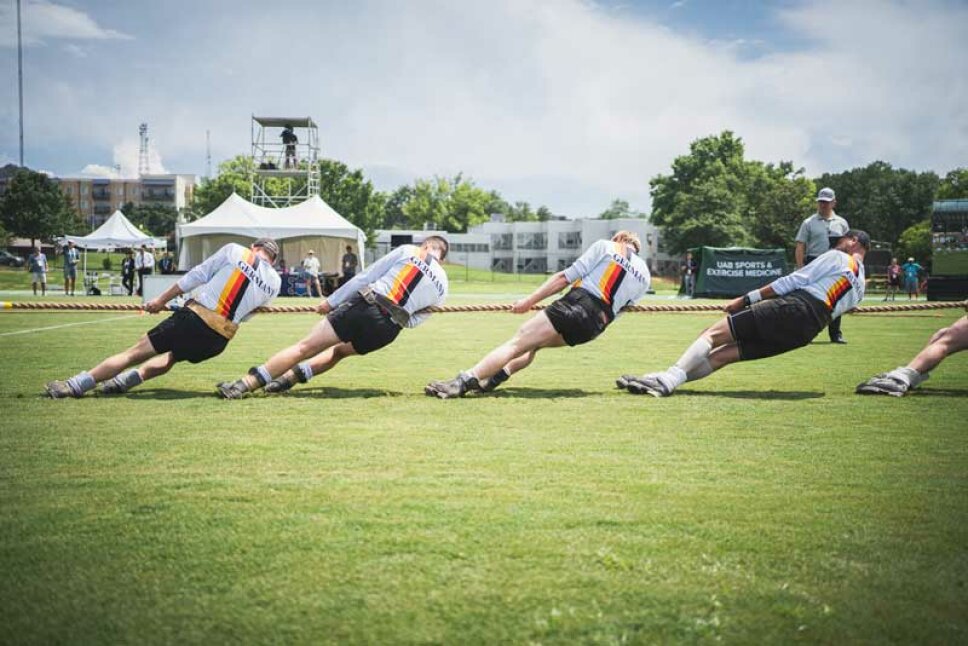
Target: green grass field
(766,504)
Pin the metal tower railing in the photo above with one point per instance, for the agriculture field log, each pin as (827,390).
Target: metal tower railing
(285,152)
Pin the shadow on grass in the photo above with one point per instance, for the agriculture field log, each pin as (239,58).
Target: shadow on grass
(164,394)
(539,393)
(331,392)
(940,392)
(784,395)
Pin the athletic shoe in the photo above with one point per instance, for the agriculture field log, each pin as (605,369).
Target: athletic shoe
(111,387)
(649,385)
(234,390)
(280,384)
(839,339)
(623,381)
(60,390)
(883,384)
(459,386)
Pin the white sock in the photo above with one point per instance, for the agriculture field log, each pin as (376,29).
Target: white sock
(673,377)
(704,369)
(910,376)
(81,383)
(130,379)
(695,355)
(305,369)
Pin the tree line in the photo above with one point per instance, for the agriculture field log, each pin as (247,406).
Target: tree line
(713,196)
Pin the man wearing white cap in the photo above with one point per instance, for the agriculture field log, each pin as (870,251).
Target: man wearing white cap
(818,234)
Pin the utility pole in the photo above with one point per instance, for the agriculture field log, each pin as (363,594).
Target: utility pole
(208,154)
(20,81)
(143,164)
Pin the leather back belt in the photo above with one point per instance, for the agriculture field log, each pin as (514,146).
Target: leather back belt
(215,321)
(396,313)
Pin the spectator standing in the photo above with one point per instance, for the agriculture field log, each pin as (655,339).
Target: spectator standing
(311,271)
(127,271)
(71,256)
(818,234)
(350,263)
(144,263)
(893,279)
(912,272)
(166,264)
(37,266)
(689,268)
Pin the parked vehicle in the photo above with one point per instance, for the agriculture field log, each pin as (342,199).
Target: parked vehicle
(10,260)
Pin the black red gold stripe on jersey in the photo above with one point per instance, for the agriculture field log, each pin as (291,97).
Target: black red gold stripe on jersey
(235,286)
(406,281)
(841,286)
(611,281)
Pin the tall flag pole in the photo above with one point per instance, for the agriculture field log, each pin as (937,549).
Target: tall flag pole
(20,81)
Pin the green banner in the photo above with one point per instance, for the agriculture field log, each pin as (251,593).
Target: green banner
(733,271)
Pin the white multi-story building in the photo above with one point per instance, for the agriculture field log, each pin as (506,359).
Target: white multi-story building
(532,247)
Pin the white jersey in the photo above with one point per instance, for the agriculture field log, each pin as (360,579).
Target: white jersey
(409,276)
(606,272)
(232,282)
(835,278)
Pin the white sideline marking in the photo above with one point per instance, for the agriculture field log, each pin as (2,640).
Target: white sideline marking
(56,327)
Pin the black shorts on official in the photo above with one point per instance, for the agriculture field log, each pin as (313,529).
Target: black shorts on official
(778,325)
(363,325)
(187,337)
(578,316)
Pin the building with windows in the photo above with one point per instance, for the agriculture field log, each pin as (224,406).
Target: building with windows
(532,247)
(96,198)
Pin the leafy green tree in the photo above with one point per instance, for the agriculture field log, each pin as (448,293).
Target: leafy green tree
(34,207)
(619,209)
(715,197)
(954,185)
(393,215)
(916,241)
(351,195)
(544,213)
(448,204)
(233,177)
(157,219)
(882,200)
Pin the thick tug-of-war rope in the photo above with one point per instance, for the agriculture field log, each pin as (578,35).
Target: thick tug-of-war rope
(449,309)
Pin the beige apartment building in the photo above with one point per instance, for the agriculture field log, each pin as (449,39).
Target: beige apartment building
(96,199)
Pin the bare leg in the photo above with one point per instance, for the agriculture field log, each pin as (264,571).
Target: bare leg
(156,366)
(520,363)
(327,359)
(945,341)
(536,333)
(320,338)
(110,367)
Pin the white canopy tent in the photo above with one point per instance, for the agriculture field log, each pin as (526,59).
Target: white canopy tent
(117,232)
(310,225)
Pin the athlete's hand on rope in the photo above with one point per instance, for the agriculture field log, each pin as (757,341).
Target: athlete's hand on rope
(735,305)
(323,308)
(154,306)
(521,306)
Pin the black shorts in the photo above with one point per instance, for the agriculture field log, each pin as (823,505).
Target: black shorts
(578,316)
(364,325)
(187,337)
(778,325)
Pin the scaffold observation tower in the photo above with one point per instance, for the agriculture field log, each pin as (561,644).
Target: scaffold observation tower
(285,151)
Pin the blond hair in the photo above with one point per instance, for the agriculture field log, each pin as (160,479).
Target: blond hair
(628,238)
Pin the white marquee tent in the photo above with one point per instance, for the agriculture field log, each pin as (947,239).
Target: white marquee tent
(117,232)
(312,224)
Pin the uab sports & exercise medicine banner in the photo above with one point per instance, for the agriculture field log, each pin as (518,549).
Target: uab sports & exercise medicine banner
(733,271)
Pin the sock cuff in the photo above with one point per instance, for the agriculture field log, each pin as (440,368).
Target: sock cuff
(130,378)
(304,371)
(261,374)
(81,383)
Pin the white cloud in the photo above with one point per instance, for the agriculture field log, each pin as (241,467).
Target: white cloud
(125,157)
(42,20)
(550,101)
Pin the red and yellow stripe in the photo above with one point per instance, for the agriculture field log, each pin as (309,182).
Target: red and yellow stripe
(611,278)
(234,286)
(841,286)
(405,279)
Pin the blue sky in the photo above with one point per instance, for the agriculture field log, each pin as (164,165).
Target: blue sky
(568,103)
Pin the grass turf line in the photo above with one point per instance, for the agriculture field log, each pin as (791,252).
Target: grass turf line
(766,503)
